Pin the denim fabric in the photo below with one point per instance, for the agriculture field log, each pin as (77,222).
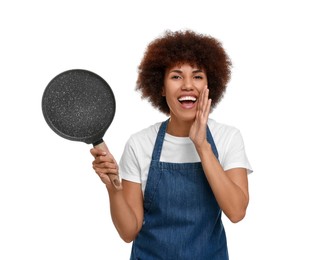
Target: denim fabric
(182,219)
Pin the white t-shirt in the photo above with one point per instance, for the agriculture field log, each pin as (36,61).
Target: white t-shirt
(135,161)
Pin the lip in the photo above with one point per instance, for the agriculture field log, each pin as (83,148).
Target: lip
(187,98)
(187,101)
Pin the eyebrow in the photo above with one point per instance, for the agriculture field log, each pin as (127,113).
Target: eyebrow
(180,71)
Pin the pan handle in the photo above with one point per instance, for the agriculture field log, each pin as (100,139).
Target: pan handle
(114,178)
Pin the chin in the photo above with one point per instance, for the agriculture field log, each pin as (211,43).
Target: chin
(187,117)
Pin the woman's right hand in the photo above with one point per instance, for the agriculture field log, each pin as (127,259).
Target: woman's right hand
(126,207)
(104,164)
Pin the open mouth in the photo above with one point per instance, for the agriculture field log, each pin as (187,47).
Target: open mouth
(187,100)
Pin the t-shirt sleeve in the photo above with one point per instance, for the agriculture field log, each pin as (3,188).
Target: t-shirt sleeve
(129,168)
(235,155)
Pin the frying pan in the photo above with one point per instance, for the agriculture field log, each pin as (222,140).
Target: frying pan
(79,105)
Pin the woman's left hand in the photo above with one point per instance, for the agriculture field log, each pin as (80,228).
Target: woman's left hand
(198,128)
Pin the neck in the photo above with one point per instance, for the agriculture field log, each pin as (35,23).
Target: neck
(179,128)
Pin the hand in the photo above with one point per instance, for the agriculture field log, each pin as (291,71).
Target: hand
(198,128)
(104,164)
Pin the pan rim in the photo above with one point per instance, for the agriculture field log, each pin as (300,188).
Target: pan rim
(93,137)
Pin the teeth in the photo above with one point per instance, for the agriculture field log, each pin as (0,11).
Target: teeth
(187,98)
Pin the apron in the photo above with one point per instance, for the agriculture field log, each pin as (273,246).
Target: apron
(182,219)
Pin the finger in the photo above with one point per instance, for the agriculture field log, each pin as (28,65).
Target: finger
(106,166)
(199,111)
(205,100)
(106,171)
(202,100)
(208,109)
(203,103)
(97,152)
(207,93)
(101,159)
(101,171)
(104,178)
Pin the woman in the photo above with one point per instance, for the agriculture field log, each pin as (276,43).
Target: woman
(179,175)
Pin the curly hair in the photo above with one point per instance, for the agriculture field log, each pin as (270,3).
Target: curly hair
(181,47)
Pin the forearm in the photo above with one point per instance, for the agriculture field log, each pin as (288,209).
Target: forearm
(126,204)
(122,215)
(231,197)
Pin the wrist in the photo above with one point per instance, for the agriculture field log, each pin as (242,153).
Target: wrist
(204,150)
(203,147)
(111,189)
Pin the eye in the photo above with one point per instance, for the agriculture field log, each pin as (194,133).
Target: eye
(198,77)
(175,77)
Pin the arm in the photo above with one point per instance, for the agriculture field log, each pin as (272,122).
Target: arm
(126,205)
(229,187)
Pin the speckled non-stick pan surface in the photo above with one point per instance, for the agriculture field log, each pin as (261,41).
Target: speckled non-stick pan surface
(79,105)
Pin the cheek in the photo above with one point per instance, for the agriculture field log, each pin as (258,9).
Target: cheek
(171,102)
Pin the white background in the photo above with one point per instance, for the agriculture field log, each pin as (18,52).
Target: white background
(53,206)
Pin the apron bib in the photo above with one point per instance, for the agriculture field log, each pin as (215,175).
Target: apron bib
(182,219)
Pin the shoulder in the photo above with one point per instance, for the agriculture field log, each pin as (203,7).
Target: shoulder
(221,131)
(230,145)
(147,134)
(141,143)
(226,137)
(135,159)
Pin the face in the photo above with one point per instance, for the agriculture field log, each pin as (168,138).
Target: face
(182,87)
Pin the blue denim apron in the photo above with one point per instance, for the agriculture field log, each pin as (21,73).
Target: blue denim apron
(182,219)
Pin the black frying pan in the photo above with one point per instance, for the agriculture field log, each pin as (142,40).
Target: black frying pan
(79,105)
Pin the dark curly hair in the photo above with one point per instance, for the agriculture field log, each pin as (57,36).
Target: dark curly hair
(178,48)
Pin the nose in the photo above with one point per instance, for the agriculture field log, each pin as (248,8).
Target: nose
(187,84)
